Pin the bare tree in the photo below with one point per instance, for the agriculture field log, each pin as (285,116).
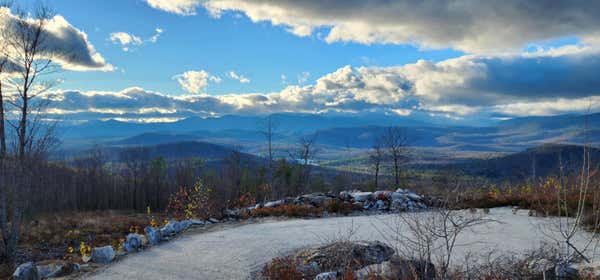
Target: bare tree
(270,127)
(395,141)
(24,41)
(376,156)
(136,160)
(304,154)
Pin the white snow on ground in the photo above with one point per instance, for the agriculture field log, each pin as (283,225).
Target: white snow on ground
(236,252)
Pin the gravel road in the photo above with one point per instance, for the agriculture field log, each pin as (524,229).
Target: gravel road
(235,252)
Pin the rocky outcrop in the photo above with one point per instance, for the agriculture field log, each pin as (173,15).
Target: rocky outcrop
(380,201)
(343,255)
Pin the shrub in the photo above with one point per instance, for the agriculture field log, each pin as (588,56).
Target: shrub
(197,202)
(283,268)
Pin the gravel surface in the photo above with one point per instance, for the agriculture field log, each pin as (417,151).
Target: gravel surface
(236,252)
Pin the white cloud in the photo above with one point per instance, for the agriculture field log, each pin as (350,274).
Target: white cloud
(127,40)
(544,83)
(240,78)
(62,42)
(196,81)
(471,26)
(181,7)
(303,77)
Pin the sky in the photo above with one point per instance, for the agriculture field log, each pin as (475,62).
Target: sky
(461,60)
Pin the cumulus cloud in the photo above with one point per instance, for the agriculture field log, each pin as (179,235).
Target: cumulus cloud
(471,26)
(127,40)
(240,78)
(196,81)
(542,83)
(64,43)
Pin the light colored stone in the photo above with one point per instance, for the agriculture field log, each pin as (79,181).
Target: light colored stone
(56,268)
(272,204)
(332,275)
(153,235)
(361,196)
(103,254)
(133,242)
(26,271)
(214,220)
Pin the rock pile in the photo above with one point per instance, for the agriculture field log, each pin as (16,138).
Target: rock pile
(399,200)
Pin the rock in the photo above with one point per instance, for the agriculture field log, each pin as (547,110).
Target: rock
(356,254)
(231,213)
(397,268)
(319,200)
(403,191)
(181,226)
(345,196)
(414,196)
(103,254)
(153,234)
(26,271)
(214,221)
(133,242)
(168,229)
(273,204)
(382,195)
(380,205)
(398,196)
(54,268)
(196,222)
(332,275)
(566,271)
(361,196)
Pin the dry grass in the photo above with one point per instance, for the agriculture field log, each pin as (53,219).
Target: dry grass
(49,236)
(288,210)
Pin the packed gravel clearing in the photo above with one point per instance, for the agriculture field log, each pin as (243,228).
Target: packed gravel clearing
(234,252)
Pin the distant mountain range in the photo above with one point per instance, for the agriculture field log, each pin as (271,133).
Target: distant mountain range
(334,132)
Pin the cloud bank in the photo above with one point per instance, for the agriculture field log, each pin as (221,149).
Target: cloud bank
(544,83)
(467,25)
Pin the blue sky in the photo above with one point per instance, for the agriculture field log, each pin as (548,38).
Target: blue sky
(260,52)
(458,60)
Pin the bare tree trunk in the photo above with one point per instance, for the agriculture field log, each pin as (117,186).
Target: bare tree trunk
(2,129)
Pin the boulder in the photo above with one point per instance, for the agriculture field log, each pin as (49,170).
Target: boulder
(361,196)
(181,226)
(566,271)
(382,195)
(168,229)
(319,200)
(133,242)
(400,190)
(273,204)
(56,268)
(153,235)
(332,275)
(398,196)
(196,222)
(345,196)
(231,213)
(380,205)
(355,254)
(214,220)
(414,196)
(26,271)
(103,254)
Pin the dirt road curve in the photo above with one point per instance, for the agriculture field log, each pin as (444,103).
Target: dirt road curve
(236,252)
